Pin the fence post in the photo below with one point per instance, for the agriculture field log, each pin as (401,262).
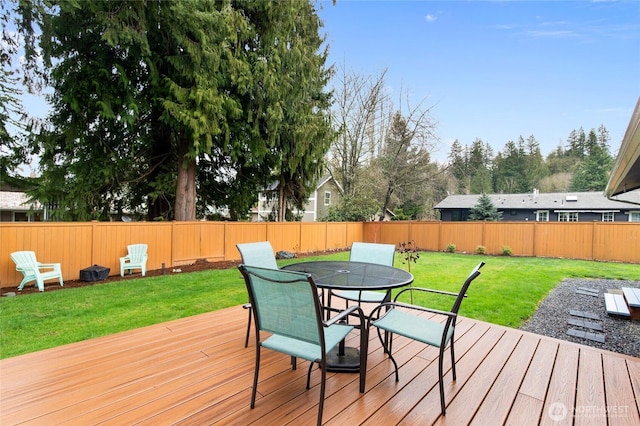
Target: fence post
(93,238)
(173,242)
(593,241)
(535,247)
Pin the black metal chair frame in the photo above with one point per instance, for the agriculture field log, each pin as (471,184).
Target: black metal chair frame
(340,317)
(451,315)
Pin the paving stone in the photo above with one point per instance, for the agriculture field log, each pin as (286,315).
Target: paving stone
(587,291)
(576,333)
(596,337)
(585,324)
(582,314)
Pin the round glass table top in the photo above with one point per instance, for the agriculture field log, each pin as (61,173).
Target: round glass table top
(346,275)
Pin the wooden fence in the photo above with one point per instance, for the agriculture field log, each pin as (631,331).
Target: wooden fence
(79,245)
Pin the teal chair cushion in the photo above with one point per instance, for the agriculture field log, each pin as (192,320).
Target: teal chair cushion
(305,350)
(414,327)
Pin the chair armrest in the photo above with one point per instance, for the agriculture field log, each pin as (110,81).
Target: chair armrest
(426,290)
(375,314)
(420,308)
(343,314)
(54,266)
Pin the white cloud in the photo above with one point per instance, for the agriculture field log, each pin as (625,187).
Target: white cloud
(430,18)
(552,33)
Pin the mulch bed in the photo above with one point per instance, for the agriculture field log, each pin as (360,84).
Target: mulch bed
(200,265)
(30,287)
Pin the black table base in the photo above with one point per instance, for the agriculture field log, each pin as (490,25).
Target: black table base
(347,363)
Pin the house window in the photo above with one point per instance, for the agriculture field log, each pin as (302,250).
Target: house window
(634,216)
(20,217)
(327,198)
(568,217)
(542,216)
(607,216)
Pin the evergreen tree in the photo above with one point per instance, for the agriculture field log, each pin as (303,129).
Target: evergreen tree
(519,167)
(508,168)
(577,144)
(156,100)
(592,174)
(484,210)
(479,168)
(14,122)
(458,165)
(560,161)
(536,169)
(481,181)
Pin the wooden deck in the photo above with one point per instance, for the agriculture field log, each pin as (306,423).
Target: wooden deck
(196,371)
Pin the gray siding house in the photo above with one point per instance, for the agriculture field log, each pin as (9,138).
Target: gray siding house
(549,207)
(328,193)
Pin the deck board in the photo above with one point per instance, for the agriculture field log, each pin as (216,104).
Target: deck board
(562,384)
(196,370)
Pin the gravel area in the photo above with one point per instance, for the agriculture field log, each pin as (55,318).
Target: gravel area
(553,317)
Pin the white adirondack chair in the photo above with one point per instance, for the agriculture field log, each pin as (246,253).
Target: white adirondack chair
(32,270)
(135,259)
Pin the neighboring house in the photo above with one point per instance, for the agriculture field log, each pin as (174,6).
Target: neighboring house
(15,207)
(551,207)
(328,193)
(388,215)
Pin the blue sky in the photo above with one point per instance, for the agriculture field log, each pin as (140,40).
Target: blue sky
(496,70)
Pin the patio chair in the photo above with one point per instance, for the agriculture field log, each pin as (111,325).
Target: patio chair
(381,254)
(399,319)
(135,259)
(287,308)
(32,270)
(258,254)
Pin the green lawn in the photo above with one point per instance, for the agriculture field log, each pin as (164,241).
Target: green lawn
(507,293)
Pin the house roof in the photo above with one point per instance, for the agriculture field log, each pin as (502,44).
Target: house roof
(543,201)
(626,171)
(323,180)
(15,201)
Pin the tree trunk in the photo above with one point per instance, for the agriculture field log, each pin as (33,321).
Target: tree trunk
(185,208)
(160,207)
(282,204)
(387,202)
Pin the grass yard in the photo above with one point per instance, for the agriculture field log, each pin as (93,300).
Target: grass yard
(507,292)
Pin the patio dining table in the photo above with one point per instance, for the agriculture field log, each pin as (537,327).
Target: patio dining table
(347,275)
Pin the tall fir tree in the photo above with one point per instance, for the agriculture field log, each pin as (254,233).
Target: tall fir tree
(479,168)
(458,165)
(593,172)
(145,92)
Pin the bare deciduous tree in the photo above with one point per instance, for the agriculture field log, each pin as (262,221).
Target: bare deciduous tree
(405,163)
(358,116)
